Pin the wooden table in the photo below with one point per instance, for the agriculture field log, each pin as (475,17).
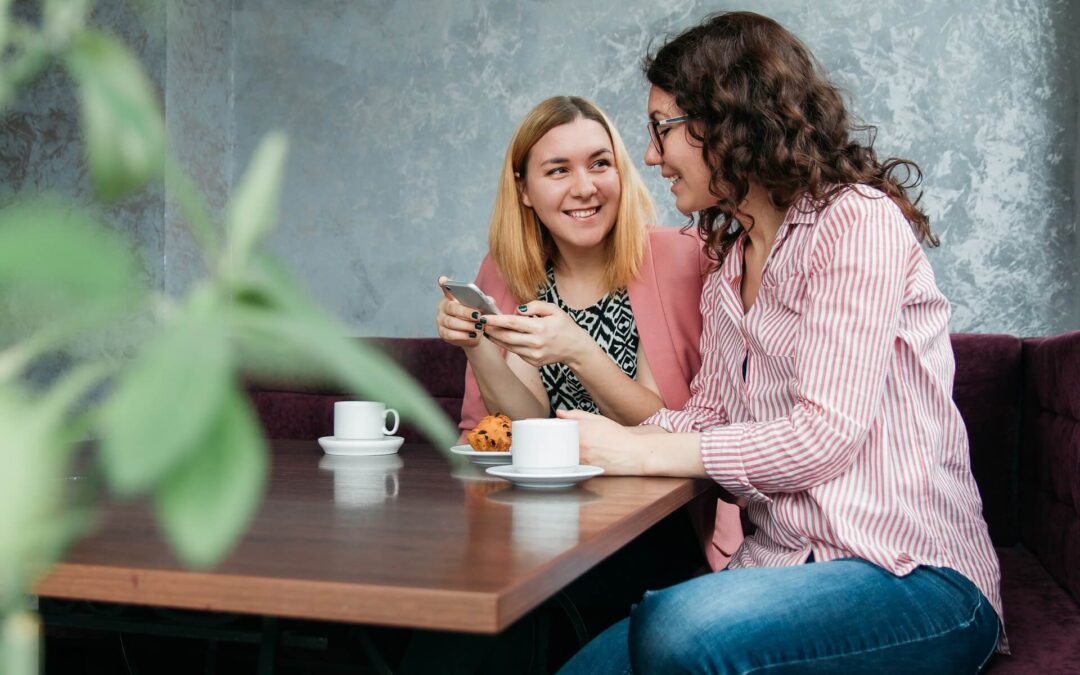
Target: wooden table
(408,540)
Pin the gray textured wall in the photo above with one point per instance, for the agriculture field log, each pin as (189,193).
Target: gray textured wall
(199,120)
(399,112)
(41,142)
(1074,317)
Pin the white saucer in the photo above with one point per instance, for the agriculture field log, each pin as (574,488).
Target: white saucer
(332,445)
(553,479)
(481,458)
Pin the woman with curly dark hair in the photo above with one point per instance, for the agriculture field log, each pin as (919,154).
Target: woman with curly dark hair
(824,399)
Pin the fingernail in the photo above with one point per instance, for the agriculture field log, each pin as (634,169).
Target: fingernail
(471,334)
(523,308)
(476,315)
(479,326)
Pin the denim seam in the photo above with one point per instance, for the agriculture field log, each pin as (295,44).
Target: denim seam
(970,620)
(993,645)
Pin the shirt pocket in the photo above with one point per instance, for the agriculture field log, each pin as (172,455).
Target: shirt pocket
(782,302)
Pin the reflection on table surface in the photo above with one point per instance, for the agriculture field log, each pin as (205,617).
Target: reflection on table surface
(350,538)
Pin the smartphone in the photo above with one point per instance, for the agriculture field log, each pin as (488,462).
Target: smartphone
(471,296)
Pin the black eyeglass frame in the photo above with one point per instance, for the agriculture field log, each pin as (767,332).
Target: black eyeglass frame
(654,129)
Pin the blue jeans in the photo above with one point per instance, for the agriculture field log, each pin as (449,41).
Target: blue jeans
(842,616)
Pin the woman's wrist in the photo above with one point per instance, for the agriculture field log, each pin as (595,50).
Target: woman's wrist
(644,451)
(671,455)
(482,350)
(586,349)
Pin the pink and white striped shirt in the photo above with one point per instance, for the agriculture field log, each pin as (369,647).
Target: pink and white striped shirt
(843,437)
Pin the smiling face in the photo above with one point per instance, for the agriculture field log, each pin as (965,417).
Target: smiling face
(572,185)
(681,163)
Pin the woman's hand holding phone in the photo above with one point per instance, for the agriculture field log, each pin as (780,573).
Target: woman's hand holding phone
(541,333)
(457,323)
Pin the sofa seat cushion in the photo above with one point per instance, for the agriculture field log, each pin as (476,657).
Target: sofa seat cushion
(1041,619)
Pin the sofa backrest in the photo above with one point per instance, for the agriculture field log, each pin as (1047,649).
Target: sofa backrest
(302,410)
(1049,457)
(986,390)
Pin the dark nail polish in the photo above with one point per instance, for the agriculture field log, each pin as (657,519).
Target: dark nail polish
(523,308)
(476,315)
(480,326)
(471,334)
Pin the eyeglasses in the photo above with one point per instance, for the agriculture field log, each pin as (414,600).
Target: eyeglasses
(654,129)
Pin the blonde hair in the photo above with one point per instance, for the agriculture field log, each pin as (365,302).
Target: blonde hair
(520,245)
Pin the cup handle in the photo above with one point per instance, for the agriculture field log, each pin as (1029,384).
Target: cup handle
(397,420)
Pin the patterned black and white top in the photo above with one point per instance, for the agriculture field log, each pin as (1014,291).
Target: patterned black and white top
(610,322)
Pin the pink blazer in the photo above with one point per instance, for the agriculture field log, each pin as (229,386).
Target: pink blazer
(665,297)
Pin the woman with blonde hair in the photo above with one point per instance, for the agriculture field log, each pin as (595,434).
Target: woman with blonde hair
(601,308)
(582,277)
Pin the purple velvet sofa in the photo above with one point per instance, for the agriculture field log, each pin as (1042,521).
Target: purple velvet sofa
(1020,400)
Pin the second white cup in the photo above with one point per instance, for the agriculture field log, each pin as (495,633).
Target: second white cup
(544,445)
(363,420)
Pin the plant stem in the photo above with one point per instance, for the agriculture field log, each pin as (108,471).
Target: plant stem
(20,644)
(180,188)
(5,21)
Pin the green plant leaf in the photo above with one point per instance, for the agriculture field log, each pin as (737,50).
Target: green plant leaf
(207,501)
(253,210)
(61,248)
(122,121)
(168,397)
(61,19)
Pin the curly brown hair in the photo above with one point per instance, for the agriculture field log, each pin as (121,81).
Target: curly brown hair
(765,112)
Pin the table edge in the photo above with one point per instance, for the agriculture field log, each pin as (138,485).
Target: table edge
(427,608)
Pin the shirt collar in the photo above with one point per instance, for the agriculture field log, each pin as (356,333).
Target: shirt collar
(802,212)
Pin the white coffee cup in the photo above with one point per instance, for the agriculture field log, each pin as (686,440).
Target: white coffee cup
(544,445)
(362,420)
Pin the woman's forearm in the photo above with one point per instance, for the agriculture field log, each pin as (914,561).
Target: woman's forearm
(672,455)
(624,451)
(502,390)
(616,395)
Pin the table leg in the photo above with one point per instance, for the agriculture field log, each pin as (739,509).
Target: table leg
(211,657)
(268,646)
(374,657)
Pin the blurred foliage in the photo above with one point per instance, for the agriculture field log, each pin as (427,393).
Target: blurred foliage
(172,423)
